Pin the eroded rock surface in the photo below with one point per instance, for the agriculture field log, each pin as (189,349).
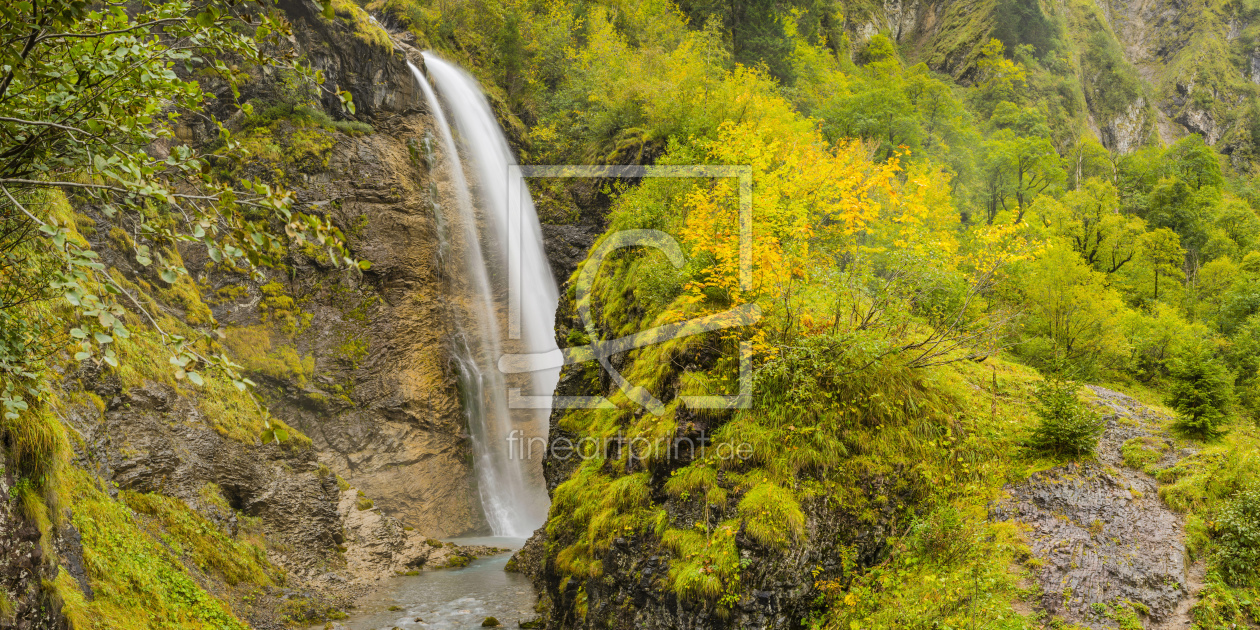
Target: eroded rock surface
(379,547)
(1102,533)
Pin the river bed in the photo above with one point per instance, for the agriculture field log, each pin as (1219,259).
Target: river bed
(450,599)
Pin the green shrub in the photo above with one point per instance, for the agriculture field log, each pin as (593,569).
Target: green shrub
(1237,534)
(943,535)
(1067,427)
(1201,393)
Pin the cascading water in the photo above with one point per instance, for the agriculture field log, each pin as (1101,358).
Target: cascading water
(508,473)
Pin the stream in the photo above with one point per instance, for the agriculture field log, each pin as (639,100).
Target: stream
(449,599)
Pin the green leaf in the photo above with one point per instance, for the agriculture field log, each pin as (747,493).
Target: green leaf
(365,265)
(169,276)
(196,379)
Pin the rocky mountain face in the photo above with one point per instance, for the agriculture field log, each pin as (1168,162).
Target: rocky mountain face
(375,393)
(358,364)
(1142,70)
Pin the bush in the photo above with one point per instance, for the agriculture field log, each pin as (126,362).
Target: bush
(1067,427)
(1237,534)
(1201,392)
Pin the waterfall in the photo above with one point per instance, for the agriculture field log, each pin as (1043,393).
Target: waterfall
(482,241)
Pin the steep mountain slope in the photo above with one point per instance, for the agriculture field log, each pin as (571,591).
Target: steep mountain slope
(164,504)
(1147,71)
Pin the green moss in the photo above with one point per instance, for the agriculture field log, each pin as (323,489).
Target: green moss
(212,494)
(137,581)
(65,593)
(35,509)
(771,515)
(230,294)
(1140,452)
(704,567)
(252,347)
(363,28)
(280,308)
(353,349)
(313,144)
(185,294)
(36,441)
(202,544)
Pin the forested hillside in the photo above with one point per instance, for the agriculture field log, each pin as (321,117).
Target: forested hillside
(225,320)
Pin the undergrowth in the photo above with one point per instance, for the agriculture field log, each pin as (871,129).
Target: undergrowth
(137,581)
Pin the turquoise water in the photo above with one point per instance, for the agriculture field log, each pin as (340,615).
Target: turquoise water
(450,599)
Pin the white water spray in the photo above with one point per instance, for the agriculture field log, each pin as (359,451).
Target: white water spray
(487,245)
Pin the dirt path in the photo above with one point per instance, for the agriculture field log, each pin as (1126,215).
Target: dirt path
(1110,551)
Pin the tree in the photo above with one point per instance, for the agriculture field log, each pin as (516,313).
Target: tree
(1070,317)
(1089,218)
(1237,230)
(1178,206)
(1212,284)
(1087,159)
(1195,163)
(1161,250)
(85,89)
(1201,392)
(1020,160)
(939,110)
(1066,426)
(1000,79)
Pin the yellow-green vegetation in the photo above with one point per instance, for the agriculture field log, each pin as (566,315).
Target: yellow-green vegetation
(36,509)
(360,24)
(231,412)
(37,443)
(1141,452)
(139,582)
(198,541)
(252,347)
(281,309)
(64,590)
(1216,488)
(185,294)
(362,501)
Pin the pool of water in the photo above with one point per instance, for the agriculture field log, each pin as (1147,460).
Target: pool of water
(450,599)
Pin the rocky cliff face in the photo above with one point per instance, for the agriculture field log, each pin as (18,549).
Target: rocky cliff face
(357,364)
(1147,70)
(379,400)
(23,604)
(372,387)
